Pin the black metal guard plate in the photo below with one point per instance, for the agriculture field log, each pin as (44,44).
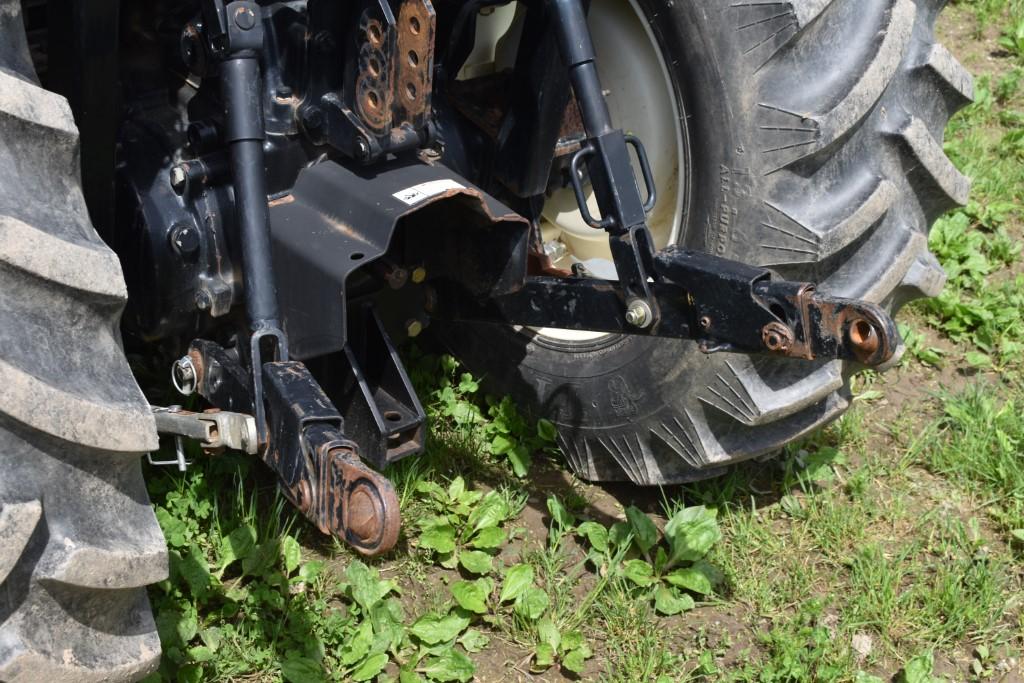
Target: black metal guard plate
(337,221)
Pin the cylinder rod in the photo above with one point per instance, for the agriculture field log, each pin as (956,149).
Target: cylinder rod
(242,90)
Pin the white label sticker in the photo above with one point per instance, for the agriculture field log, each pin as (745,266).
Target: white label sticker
(423,191)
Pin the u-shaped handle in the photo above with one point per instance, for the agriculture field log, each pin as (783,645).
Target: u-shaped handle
(645,170)
(577,187)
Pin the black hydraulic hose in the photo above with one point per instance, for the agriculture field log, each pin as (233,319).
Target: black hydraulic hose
(242,90)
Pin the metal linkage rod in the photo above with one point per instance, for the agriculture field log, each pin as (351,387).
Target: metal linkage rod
(578,53)
(242,91)
(606,154)
(236,37)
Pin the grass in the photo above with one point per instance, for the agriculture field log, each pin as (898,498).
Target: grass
(977,444)
(889,546)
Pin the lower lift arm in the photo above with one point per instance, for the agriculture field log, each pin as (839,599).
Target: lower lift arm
(722,304)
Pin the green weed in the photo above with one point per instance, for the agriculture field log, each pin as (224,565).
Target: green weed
(1012,38)
(486,424)
(465,527)
(643,649)
(240,600)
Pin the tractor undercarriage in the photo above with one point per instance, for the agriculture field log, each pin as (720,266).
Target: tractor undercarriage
(322,185)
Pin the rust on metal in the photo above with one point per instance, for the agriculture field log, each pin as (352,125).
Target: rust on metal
(778,338)
(319,470)
(863,336)
(356,504)
(835,328)
(343,497)
(395,73)
(414,58)
(375,76)
(198,362)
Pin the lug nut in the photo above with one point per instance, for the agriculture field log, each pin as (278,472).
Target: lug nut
(413,328)
(419,274)
(639,314)
(183,376)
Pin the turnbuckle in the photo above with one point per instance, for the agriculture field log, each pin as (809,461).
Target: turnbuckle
(606,155)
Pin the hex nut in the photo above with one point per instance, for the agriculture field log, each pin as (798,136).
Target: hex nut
(639,314)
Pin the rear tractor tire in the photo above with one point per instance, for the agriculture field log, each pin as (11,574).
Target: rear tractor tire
(809,136)
(78,539)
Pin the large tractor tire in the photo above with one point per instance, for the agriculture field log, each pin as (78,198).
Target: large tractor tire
(810,142)
(78,539)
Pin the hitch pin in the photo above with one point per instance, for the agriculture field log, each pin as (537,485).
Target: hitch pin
(179,450)
(179,446)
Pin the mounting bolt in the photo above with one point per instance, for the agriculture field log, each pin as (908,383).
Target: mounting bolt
(705,322)
(203,301)
(413,328)
(395,276)
(245,18)
(184,240)
(362,149)
(639,314)
(312,118)
(419,274)
(183,376)
(179,178)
